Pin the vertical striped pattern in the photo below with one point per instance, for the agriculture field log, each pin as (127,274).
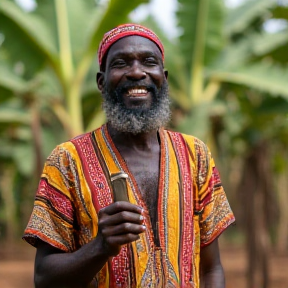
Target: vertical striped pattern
(192,208)
(186,240)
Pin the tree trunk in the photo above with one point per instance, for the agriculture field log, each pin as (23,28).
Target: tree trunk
(37,139)
(6,187)
(255,189)
(282,233)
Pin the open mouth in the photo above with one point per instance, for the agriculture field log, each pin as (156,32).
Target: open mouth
(137,92)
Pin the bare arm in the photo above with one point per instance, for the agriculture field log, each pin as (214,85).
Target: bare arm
(119,223)
(53,268)
(212,274)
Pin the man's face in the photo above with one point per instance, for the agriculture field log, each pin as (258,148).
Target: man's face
(134,86)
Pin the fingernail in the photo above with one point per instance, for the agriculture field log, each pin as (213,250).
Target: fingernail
(141,217)
(144,227)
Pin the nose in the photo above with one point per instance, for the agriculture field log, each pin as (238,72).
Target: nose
(136,72)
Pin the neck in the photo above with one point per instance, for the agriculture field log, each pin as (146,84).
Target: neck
(141,141)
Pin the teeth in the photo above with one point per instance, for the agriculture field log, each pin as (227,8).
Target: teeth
(137,91)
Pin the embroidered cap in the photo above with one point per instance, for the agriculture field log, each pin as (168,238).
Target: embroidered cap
(122,31)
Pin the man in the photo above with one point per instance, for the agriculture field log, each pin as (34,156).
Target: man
(167,230)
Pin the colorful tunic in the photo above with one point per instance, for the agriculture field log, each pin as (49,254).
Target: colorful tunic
(192,208)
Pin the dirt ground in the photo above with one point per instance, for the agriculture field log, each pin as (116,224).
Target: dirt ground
(16,267)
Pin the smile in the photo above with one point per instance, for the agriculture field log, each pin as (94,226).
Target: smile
(137,92)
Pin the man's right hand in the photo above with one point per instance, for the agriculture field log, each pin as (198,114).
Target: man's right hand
(118,224)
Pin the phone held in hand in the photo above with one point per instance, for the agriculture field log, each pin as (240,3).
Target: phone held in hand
(119,185)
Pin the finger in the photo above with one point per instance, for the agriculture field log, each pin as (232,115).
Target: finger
(120,206)
(122,239)
(124,228)
(122,217)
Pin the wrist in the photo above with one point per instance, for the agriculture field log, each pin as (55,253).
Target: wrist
(103,248)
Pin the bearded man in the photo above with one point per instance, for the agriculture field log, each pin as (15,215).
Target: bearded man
(164,233)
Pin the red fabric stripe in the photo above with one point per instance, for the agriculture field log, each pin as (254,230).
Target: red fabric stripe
(187,237)
(57,199)
(101,194)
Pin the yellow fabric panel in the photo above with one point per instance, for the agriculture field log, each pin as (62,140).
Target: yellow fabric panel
(216,214)
(106,153)
(103,277)
(173,210)
(196,228)
(55,178)
(196,251)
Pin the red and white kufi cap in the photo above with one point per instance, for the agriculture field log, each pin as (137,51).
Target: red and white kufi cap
(125,30)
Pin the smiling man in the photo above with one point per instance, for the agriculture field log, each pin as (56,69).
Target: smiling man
(164,233)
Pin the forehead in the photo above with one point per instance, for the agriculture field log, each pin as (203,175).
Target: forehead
(133,44)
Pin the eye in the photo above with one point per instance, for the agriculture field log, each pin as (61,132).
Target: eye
(150,61)
(118,63)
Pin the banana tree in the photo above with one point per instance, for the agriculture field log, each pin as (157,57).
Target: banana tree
(62,38)
(226,56)
(47,83)
(48,64)
(236,52)
(219,47)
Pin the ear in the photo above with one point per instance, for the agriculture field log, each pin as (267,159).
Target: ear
(166,74)
(100,80)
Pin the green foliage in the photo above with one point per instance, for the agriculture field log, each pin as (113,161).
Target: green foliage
(243,17)
(64,36)
(280,12)
(174,61)
(14,116)
(252,46)
(197,122)
(201,23)
(34,44)
(260,75)
(10,83)
(47,77)
(241,92)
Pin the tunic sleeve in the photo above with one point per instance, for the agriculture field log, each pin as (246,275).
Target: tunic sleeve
(211,201)
(52,217)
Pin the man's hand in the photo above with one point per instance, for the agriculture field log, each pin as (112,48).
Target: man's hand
(119,223)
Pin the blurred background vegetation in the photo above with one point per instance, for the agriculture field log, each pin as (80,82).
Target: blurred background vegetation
(228,76)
